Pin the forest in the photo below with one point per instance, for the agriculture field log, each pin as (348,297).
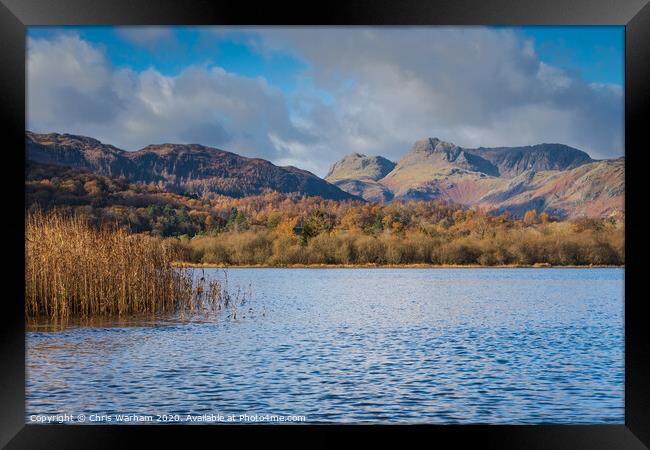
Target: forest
(275,229)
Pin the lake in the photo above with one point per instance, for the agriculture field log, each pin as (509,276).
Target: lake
(357,345)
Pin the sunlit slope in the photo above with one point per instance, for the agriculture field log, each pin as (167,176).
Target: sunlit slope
(555,178)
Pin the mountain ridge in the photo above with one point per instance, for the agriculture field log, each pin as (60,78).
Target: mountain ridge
(553,178)
(373,167)
(502,179)
(182,168)
(512,161)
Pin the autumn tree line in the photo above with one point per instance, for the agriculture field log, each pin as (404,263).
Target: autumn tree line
(284,229)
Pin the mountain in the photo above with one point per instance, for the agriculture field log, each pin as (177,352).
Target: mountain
(434,156)
(358,175)
(555,178)
(438,169)
(513,161)
(593,189)
(356,166)
(188,169)
(366,188)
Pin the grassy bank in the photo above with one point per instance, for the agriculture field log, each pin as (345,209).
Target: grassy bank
(73,270)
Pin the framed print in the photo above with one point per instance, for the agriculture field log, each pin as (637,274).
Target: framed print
(414,217)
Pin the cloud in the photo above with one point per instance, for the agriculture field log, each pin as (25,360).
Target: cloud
(69,81)
(368,90)
(469,85)
(73,88)
(150,37)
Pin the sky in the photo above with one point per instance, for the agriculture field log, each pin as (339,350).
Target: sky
(306,96)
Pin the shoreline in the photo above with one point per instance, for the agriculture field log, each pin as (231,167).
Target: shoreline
(388,266)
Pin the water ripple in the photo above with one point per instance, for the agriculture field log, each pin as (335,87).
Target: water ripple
(390,345)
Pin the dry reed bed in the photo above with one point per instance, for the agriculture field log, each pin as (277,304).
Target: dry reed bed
(73,270)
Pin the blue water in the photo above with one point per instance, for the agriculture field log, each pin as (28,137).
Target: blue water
(360,345)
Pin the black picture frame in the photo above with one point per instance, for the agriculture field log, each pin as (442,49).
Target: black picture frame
(15,15)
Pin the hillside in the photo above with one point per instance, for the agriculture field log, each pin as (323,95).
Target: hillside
(513,161)
(438,169)
(188,169)
(356,165)
(594,189)
(552,178)
(357,174)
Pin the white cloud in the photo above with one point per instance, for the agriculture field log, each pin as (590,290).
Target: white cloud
(210,106)
(469,85)
(390,86)
(69,69)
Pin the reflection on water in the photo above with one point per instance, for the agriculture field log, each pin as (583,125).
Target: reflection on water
(360,345)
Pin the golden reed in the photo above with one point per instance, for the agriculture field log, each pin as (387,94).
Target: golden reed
(73,270)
